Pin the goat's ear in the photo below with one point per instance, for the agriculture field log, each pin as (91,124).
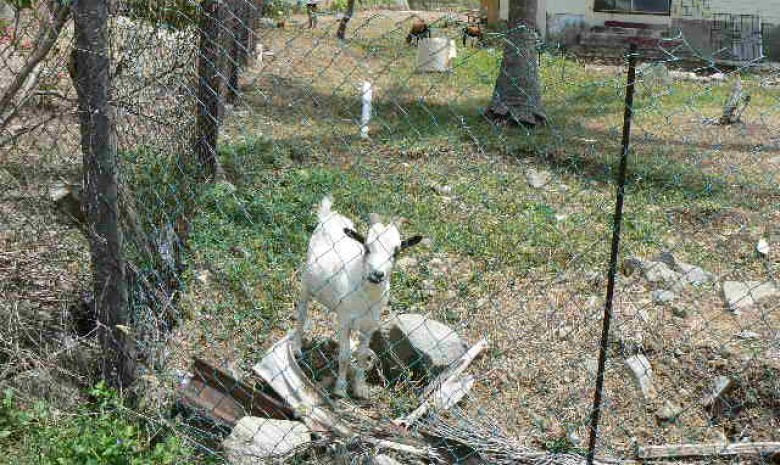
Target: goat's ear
(414,240)
(374,218)
(354,235)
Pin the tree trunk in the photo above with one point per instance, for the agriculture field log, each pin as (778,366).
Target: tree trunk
(90,68)
(517,96)
(209,88)
(342,30)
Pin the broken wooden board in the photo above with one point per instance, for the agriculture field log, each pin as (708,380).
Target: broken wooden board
(721,449)
(218,395)
(448,388)
(281,371)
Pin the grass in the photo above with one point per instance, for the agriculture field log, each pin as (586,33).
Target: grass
(497,243)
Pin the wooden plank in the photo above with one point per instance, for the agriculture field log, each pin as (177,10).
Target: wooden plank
(256,402)
(448,388)
(708,450)
(225,399)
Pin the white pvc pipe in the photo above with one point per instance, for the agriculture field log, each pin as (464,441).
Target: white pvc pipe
(366,115)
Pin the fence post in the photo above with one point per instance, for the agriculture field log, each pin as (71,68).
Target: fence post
(209,88)
(628,113)
(90,73)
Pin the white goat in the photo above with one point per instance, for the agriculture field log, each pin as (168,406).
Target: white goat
(350,275)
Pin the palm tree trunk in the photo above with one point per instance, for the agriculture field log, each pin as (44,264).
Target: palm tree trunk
(517,96)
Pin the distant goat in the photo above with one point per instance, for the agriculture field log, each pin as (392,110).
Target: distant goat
(419,31)
(350,275)
(473,31)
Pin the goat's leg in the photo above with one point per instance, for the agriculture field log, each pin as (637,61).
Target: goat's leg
(345,354)
(364,363)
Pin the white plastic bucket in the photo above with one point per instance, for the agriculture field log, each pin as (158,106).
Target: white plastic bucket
(435,55)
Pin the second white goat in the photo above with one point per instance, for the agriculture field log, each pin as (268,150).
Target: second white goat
(350,275)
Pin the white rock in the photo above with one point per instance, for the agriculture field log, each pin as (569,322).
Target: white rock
(661,296)
(255,439)
(443,190)
(762,247)
(417,342)
(383,459)
(748,335)
(695,275)
(407,263)
(669,412)
(741,296)
(537,179)
(642,374)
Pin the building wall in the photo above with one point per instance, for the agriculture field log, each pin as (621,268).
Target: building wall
(768,10)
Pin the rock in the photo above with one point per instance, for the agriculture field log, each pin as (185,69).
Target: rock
(661,296)
(695,275)
(762,247)
(742,296)
(203,276)
(443,190)
(407,263)
(254,439)
(748,335)
(669,412)
(536,178)
(721,386)
(642,374)
(383,459)
(655,272)
(692,274)
(679,311)
(413,341)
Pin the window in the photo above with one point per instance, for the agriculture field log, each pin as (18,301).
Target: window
(653,7)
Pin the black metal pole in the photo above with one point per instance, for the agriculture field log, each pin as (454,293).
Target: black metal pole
(628,114)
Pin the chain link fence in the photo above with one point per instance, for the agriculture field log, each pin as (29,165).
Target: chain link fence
(483,340)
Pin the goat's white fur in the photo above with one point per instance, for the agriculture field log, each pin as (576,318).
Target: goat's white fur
(336,275)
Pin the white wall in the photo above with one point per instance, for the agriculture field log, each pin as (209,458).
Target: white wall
(769,10)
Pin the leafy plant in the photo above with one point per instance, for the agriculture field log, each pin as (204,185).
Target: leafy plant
(100,432)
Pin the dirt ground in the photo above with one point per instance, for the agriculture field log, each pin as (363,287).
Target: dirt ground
(536,382)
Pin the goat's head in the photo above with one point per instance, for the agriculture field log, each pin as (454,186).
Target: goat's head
(382,246)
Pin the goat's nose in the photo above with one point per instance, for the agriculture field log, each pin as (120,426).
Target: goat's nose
(377,275)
